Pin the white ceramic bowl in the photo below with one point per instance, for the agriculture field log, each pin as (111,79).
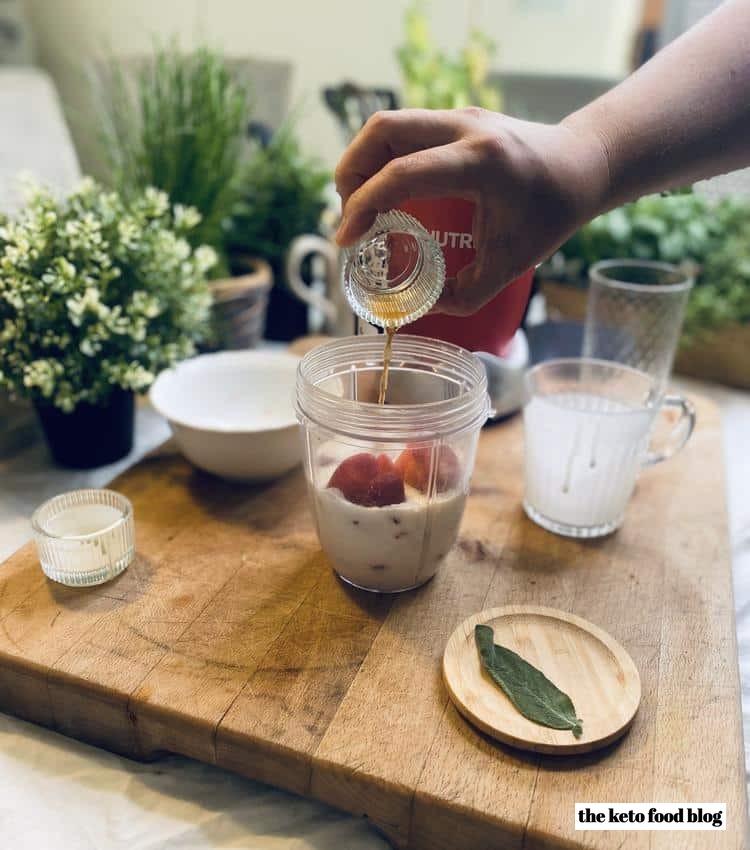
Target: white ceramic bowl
(232,412)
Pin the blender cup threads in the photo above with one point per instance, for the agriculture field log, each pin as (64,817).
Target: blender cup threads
(388,483)
(396,273)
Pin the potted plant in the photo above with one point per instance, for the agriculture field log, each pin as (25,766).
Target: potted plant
(434,80)
(282,195)
(178,121)
(685,228)
(97,295)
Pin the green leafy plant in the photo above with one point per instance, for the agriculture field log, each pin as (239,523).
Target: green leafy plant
(282,195)
(97,292)
(724,291)
(712,237)
(530,691)
(434,80)
(178,123)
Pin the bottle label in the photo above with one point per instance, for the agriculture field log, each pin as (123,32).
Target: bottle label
(449,221)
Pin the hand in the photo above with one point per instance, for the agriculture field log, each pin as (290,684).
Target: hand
(533,185)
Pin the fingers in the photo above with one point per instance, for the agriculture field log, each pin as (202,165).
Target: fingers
(388,135)
(470,291)
(479,282)
(498,264)
(447,171)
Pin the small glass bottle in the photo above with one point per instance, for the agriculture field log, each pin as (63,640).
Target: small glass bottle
(396,273)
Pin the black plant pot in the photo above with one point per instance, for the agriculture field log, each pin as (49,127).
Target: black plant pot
(91,435)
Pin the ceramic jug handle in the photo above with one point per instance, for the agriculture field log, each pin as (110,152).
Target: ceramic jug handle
(680,432)
(299,250)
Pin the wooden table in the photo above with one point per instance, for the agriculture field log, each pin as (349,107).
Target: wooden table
(230,641)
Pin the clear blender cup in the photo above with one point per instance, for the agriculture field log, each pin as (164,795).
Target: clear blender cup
(388,482)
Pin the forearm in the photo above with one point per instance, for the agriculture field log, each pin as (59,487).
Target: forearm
(683,116)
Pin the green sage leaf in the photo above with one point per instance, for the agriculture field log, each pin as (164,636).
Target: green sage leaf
(530,691)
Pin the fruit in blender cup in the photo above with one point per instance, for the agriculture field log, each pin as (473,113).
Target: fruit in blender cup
(387,488)
(367,480)
(385,464)
(395,537)
(413,464)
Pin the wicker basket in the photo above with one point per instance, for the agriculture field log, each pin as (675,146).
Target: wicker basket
(723,358)
(240,305)
(564,301)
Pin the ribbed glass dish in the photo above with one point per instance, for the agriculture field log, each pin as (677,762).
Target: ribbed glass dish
(84,537)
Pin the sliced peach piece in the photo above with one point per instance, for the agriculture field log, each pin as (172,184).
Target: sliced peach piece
(413,464)
(385,464)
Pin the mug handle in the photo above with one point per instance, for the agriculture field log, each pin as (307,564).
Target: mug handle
(299,250)
(680,433)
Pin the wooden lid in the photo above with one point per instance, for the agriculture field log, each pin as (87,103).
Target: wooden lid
(577,656)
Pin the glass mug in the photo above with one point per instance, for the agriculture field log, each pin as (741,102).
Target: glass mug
(449,222)
(588,426)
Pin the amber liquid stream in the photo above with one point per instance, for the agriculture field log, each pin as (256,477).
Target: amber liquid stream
(390,332)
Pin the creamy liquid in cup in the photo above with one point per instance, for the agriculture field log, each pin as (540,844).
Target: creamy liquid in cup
(389,548)
(586,475)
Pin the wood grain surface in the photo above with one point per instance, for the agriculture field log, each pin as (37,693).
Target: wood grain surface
(577,656)
(230,640)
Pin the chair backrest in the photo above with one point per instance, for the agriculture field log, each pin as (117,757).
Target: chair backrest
(270,83)
(352,105)
(16,43)
(547,97)
(680,15)
(34,137)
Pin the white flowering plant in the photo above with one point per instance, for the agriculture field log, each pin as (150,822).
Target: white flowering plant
(98,293)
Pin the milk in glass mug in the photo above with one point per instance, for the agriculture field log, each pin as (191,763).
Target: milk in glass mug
(588,428)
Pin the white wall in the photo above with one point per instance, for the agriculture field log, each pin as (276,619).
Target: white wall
(328,41)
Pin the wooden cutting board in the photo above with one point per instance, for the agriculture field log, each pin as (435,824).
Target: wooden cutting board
(229,640)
